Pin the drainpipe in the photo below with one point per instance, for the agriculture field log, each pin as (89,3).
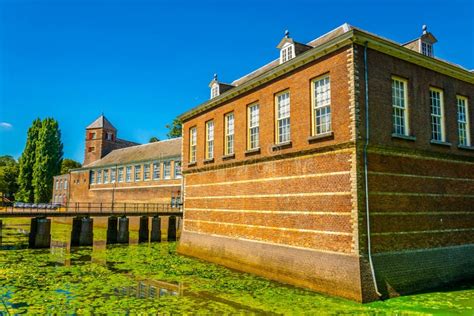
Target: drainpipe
(366,164)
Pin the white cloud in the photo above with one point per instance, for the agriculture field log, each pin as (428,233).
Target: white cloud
(5,125)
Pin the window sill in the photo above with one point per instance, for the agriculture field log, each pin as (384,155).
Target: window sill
(439,143)
(320,137)
(464,147)
(228,157)
(192,164)
(254,151)
(404,137)
(282,146)
(210,160)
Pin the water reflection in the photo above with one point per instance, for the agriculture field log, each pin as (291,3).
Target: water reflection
(151,289)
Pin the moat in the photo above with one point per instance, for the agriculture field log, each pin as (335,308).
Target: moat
(152,278)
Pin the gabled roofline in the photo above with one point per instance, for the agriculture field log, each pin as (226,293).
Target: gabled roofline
(354,35)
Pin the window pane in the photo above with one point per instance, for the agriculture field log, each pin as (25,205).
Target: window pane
(322,106)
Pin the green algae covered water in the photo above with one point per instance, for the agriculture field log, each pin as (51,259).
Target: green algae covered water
(152,278)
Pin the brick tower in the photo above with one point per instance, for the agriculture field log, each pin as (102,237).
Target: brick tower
(101,138)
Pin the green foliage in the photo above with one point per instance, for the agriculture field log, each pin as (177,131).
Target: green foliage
(154,139)
(8,176)
(69,164)
(27,162)
(175,128)
(49,155)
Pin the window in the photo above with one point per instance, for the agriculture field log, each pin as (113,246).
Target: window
(437,115)
(156,170)
(146,172)
(92,177)
(57,184)
(192,144)
(112,175)
(128,174)
(120,174)
(463,121)
(138,173)
(167,169)
(427,49)
(91,149)
(253,114)
(177,170)
(283,117)
(322,106)
(65,184)
(229,134)
(92,135)
(106,175)
(209,139)
(400,106)
(99,176)
(286,53)
(214,90)
(109,136)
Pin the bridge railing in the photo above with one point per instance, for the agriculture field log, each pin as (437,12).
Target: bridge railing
(93,207)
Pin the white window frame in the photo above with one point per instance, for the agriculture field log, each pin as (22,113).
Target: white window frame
(57,184)
(137,171)
(113,175)
(426,48)
(156,170)
(167,169)
(400,110)
(177,170)
(214,90)
(128,174)
(253,126)
(287,52)
(91,177)
(464,128)
(282,117)
(229,133)
(99,177)
(321,101)
(105,176)
(437,121)
(192,144)
(209,139)
(120,174)
(146,169)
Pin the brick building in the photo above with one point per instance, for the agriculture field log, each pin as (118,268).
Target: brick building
(296,173)
(120,171)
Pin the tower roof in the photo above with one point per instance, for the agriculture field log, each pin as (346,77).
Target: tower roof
(101,122)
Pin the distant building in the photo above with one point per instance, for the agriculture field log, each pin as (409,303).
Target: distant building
(276,163)
(120,171)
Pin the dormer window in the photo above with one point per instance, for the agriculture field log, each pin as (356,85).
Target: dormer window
(287,53)
(109,136)
(214,90)
(427,49)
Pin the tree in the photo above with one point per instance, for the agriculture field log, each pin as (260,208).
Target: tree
(27,162)
(154,139)
(174,129)
(8,177)
(69,164)
(49,155)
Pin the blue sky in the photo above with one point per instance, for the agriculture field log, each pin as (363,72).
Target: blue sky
(144,62)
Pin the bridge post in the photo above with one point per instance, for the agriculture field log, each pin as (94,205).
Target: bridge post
(40,233)
(112,230)
(76,231)
(156,229)
(87,232)
(172,228)
(143,232)
(123,234)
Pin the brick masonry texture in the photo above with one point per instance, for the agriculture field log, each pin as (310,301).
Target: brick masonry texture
(297,214)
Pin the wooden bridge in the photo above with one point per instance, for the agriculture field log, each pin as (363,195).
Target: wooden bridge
(82,224)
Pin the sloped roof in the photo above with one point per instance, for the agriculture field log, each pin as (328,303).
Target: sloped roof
(101,122)
(157,150)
